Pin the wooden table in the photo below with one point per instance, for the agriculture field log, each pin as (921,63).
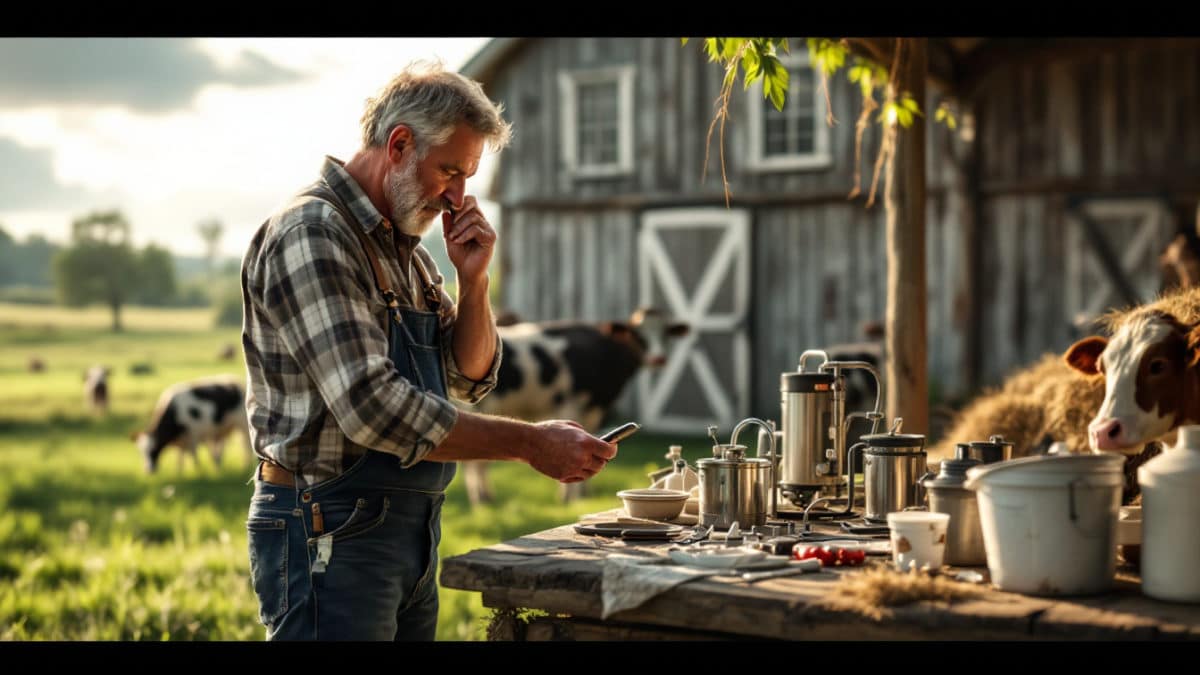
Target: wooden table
(560,572)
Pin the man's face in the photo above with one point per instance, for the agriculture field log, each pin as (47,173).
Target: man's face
(419,190)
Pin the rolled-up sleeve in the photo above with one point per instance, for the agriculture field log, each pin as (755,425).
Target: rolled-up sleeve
(462,387)
(318,294)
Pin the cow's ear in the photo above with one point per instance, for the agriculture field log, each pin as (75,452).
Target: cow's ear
(677,329)
(1084,355)
(1193,345)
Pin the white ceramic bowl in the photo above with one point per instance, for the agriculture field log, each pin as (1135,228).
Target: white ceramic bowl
(654,503)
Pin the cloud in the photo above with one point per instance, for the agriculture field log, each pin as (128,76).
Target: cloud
(153,75)
(27,181)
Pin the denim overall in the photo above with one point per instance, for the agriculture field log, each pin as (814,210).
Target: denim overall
(355,557)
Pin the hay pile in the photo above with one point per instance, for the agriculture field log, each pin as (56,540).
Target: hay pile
(875,589)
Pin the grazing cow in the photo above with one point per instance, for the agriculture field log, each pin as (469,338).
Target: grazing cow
(227,352)
(95,389)
(206,411)
(569,370)
(1121,393)
(36,365)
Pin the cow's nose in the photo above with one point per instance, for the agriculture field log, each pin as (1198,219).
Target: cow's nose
(1106,434)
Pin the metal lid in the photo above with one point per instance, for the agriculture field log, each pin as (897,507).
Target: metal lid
(805,382)
(895,439)
(749,463)
(952,474)
(994,442)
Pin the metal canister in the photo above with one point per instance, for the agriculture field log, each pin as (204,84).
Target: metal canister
(734,488)
(809,414)
(964,535)
(893,464)
(994,449)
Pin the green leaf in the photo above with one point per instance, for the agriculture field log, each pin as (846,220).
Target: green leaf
(777,97)
(731,47)
(908,102)
(713,47)
(751,62)
(684,42)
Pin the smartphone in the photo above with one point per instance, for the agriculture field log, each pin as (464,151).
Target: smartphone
(620,433)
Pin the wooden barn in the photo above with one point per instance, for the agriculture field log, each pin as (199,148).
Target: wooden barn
(1074,163)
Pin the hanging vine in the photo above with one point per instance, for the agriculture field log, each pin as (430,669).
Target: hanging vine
(758,59)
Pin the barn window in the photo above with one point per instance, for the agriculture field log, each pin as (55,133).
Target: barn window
(597,120)
(797,136)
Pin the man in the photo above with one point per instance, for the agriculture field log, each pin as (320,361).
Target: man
(352,346)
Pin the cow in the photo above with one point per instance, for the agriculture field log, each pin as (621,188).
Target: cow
(95,389)
(36,364)
(227,352)
(205,410)
(1126,393)
(569,370)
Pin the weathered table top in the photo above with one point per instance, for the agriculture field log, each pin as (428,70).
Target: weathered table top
(560,572)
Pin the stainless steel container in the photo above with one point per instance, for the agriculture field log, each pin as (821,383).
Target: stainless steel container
(733,488)
(809,414)
(994,449)
(964,535)
(893,464)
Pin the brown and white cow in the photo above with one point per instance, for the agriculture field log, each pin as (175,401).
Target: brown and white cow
(569,370)
(205,410)
(1150,372)
(95,389)
(1122,393)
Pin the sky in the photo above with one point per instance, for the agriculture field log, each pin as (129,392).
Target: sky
(177,131)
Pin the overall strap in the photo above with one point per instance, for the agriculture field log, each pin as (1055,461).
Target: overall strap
(327,195)
(433,297)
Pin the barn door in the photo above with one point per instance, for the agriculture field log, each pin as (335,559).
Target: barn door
(695,264)
(1112,251)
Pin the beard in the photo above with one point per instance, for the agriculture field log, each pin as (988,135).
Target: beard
(409,212)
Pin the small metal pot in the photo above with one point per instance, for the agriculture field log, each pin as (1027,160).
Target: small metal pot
(893,464)
(964,536)
(994,449)
(734,489)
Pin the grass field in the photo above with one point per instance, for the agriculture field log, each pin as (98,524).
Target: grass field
(91,548)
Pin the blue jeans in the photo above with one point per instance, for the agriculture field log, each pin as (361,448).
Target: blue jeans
(379,579)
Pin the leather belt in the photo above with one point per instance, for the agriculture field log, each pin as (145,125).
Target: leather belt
(271,472)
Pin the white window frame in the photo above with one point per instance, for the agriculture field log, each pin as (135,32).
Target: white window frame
(568,86)
(820,158)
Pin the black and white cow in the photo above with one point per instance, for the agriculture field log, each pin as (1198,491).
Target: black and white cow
(95,389)
(205,411)
(571,370)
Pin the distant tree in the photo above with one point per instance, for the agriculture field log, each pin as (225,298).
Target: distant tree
(100,265)
(156,268)
(210,231)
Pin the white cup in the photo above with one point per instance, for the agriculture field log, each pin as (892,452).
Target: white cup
(918,538)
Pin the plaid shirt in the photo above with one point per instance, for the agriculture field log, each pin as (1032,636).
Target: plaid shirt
(321,388)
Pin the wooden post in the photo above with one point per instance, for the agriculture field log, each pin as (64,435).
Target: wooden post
(907,375)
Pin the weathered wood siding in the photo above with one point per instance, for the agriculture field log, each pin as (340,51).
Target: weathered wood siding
(1047,130)
(1121,123)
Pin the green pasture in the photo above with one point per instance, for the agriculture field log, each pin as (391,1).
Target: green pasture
(91,548)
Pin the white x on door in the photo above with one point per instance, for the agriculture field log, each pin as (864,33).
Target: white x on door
(695,264)
(1135,230)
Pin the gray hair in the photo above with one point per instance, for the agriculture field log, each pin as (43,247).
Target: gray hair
(432,101)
